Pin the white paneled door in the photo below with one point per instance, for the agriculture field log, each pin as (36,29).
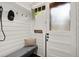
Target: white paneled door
(62,36)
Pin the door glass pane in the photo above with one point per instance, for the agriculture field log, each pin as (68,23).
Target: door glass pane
(60,16)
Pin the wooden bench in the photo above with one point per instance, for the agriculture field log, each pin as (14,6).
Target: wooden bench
(23,52)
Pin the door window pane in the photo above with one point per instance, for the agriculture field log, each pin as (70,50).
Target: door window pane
(60,16)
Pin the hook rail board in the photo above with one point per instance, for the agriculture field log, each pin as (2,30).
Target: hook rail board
(38,31)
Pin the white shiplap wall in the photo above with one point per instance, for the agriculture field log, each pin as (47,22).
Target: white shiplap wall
(16,31)
(77,29)
(41,24)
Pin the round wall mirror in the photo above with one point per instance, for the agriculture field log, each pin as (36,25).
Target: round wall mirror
(11,15)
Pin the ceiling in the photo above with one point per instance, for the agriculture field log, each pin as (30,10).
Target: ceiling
(27,5)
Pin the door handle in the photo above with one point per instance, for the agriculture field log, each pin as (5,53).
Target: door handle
(46,36)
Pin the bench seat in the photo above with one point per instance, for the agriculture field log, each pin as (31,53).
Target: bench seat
(23,52)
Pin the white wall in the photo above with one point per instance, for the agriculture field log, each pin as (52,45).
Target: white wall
(78,29)
(40,24)
(16,31)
